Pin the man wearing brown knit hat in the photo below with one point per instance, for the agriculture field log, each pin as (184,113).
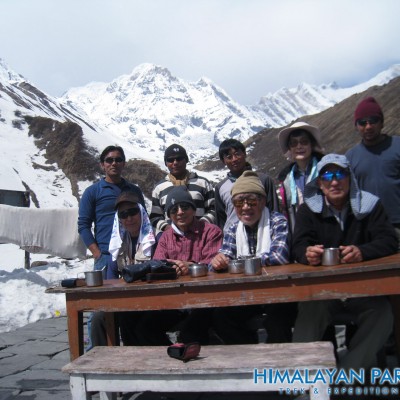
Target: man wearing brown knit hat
(376,159)
(259,232)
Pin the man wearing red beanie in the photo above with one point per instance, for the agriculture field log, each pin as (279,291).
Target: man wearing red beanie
(376,159)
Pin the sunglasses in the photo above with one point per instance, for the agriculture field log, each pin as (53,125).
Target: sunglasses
(250,201)
(183,206)
(236,154)
(172,159)
(130,212)
(370,120)
(339,175)
(110,160)
(296,142)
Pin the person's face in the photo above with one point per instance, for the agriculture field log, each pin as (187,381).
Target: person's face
(235,160)
(113,165)
(300,147)
(130,218)
(370,130)
(249,207)
(176,166)
(334,182)
(182,215)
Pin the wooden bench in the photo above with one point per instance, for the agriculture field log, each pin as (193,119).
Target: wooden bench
(217,369)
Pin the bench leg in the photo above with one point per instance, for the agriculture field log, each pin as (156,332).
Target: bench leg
(108,396)
(77,384)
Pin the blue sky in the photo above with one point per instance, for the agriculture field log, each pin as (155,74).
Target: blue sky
(248,47)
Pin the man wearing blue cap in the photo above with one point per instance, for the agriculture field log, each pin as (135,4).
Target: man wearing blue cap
(336,213)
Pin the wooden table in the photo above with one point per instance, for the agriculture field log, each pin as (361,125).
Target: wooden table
(285,283)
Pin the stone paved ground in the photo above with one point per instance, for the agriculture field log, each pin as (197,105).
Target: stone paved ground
(31,359)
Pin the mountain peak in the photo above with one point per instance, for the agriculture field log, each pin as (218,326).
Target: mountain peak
(7,75)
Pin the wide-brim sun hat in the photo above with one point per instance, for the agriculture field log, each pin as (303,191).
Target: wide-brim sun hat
(283,136)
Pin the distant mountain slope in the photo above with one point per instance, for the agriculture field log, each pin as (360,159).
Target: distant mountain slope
(336,124)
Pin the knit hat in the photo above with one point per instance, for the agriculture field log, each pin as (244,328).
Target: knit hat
(126,197)
(336,159)
(248,182)
(178,194)
(368,108)
(175,150)
(283,135)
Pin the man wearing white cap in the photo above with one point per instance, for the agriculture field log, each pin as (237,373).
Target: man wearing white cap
(336,213)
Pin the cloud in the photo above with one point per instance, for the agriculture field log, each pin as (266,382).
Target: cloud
(248,47)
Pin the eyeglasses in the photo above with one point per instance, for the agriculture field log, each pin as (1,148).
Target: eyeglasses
(130,212)
(250,201)
(370,120)
(182,206)
(110,160)
(295,142)
(329,176)
(236,154)
(172,159)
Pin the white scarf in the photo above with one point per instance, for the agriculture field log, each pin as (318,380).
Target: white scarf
(263,236)
(146,235)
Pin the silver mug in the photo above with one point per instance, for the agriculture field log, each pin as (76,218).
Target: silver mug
(331,256)
(94,278)
(252,266)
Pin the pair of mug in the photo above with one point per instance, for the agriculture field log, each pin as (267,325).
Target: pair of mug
(248,266)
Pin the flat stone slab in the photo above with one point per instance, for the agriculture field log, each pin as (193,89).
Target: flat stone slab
(19,363)
(37,379)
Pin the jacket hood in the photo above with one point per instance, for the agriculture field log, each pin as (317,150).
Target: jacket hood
(361,202)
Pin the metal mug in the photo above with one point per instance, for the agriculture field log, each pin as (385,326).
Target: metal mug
(197,270)
(94,278)
(236,266)
(331,256)
(252,266)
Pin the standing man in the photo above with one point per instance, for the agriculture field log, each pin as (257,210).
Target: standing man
(335,213)
(200,189)
(233,154)
(376,159)
(97,205)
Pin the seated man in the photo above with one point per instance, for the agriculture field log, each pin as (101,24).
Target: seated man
(189,241)
(337,214)
(258,232)
(132,241)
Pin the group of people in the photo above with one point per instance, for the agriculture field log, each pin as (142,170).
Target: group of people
(347,201)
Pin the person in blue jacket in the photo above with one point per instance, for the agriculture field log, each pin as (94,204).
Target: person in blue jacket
(97,205)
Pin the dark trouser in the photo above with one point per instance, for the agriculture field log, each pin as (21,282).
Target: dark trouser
(232,323)
(372,316)
(138,328)
(195,327)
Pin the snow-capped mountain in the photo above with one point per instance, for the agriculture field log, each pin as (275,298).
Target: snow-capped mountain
(144,112)
(288,104)
(150,109)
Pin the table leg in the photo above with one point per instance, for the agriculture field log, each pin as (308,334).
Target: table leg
(395,300)
(75,331)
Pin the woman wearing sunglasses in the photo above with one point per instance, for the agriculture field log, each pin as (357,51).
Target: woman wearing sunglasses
(132,238)
(132,241)
(300,143)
